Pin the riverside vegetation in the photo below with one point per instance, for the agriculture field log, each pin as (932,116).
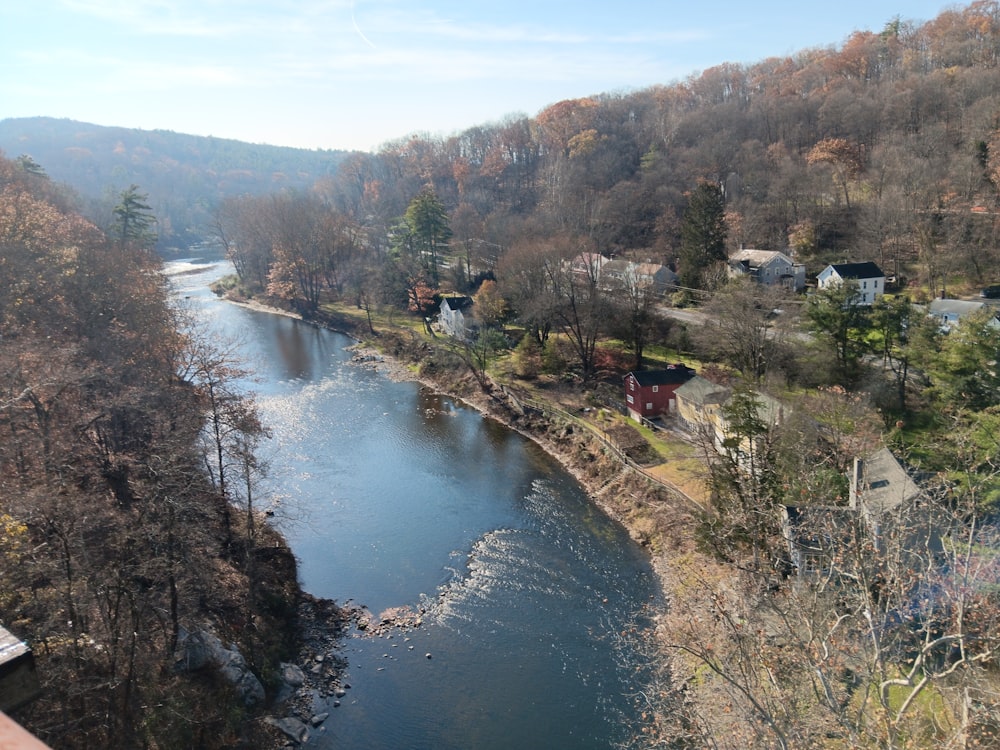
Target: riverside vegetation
(129,532)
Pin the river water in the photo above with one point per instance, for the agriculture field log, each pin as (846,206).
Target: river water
(391,495)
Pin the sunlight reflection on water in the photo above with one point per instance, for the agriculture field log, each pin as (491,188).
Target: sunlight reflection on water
(391,495)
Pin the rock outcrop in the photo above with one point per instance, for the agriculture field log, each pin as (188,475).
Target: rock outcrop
(199,649)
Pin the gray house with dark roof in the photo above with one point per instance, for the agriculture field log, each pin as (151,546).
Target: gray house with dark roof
(768,268)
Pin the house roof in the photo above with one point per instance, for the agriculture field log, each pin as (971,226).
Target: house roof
(621,266)
(885,484)
(589,261)
(457,303)
(678,373)
(865,270)
(701,391)
(811,528)
(757,258)
(955,307)
(652,269)
(769,409)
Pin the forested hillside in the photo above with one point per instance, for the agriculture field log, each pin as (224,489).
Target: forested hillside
(126,519)
(184,175)
(800,616)
(882,147)
(885,147)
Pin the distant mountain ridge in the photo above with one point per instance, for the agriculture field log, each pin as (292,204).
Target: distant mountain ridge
(185,176)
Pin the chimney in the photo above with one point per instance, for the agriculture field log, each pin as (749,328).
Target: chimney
(857,475)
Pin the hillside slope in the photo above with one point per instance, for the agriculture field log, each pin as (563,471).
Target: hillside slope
(184,175)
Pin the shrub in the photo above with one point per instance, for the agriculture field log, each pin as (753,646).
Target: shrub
(527,359)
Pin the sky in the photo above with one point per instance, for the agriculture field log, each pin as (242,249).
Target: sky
(356,74)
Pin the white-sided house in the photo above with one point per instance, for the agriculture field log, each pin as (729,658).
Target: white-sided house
(950,311)
(869,277)
(453,316)
(767,267)
(651,277)
(589,264)
(698,403)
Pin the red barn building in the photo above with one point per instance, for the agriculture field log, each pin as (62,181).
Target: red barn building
(650,393)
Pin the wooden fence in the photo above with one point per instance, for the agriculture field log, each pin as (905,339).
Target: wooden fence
(550,411)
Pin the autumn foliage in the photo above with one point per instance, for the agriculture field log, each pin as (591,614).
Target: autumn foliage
(113,538)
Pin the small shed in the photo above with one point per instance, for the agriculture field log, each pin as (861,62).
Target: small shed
(650,393)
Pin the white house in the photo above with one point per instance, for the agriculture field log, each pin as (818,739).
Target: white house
(652,277)
(453,316)
(767,267)
(869,278)
(588,264)
(950,311)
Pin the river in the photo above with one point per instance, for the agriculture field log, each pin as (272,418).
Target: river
(391,495)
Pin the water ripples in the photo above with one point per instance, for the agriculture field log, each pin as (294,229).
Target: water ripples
(395,496)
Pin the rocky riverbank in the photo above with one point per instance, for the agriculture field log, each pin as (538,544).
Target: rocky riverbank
(658,519)
(313,683)
(650,513)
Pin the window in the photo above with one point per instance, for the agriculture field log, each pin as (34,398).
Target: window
(812,562)
(628,397)
(649,406)
(656,389)
(631,384)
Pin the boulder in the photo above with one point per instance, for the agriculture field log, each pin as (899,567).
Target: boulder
(192,653)
(199,649)
(292,675)
(292,728)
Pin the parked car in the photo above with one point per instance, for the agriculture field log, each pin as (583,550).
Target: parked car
(990,292)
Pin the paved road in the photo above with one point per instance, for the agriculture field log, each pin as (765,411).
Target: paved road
(693,317)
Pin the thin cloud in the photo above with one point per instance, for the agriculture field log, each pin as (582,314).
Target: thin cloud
(357,28)
(209,18)
(147,16)
(394,19)
(398,64)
